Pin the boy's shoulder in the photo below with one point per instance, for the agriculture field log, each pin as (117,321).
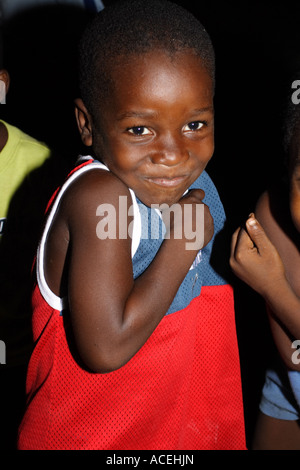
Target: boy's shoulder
(272,209)
(87,187)
(273,212)
(91,179)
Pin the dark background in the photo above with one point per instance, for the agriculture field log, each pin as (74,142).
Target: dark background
(257,45)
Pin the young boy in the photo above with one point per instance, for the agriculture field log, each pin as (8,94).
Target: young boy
(266,256)
(135,334)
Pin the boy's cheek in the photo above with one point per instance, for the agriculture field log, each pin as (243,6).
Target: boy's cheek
(209,148)
(2,92)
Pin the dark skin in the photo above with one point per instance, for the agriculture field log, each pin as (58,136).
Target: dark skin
(267,257)
(4,77)
(155,133)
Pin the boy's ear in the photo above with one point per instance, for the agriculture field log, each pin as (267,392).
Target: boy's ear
(84,122)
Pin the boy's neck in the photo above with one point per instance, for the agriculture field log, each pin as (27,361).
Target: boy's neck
(3,136)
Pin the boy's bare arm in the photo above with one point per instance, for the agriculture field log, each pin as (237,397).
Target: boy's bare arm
(112,314)
(257,262)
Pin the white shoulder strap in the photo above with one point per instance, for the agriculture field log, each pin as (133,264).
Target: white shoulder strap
(53,300)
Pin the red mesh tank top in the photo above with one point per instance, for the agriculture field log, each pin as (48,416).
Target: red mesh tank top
(182,390)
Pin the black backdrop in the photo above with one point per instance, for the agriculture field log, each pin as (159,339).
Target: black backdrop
(257,46)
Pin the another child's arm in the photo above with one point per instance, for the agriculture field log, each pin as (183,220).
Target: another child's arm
(112,314)
(256,261)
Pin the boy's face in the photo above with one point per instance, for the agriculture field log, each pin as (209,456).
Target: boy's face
(155,130)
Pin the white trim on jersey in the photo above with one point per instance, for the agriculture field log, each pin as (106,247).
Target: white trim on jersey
(53,300)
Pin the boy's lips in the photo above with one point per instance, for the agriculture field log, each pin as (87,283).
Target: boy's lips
(167,182)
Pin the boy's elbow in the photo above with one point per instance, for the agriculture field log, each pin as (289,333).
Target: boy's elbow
(104,363)
(103,355)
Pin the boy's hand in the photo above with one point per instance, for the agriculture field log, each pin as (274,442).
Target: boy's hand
(254,259)
(190,220)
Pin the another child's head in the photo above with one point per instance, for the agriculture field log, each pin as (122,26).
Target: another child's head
(292,150)
(146,73)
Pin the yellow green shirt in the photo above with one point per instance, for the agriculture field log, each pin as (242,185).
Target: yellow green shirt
(19,157)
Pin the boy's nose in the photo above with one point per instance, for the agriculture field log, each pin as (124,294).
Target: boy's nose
(170,153)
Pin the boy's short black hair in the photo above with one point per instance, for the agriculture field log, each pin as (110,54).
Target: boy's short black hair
(133,28)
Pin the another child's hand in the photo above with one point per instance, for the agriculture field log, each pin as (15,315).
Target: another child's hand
(254,259)
(190,220)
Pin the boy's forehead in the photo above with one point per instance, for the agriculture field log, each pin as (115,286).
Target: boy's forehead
(184,62)
(157,80)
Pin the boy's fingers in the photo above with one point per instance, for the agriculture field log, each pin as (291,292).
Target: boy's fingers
(256,232)
(244,240)
(240,240)
(197,193)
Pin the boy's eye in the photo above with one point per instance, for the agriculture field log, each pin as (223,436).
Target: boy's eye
(139,130)
(193,126)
